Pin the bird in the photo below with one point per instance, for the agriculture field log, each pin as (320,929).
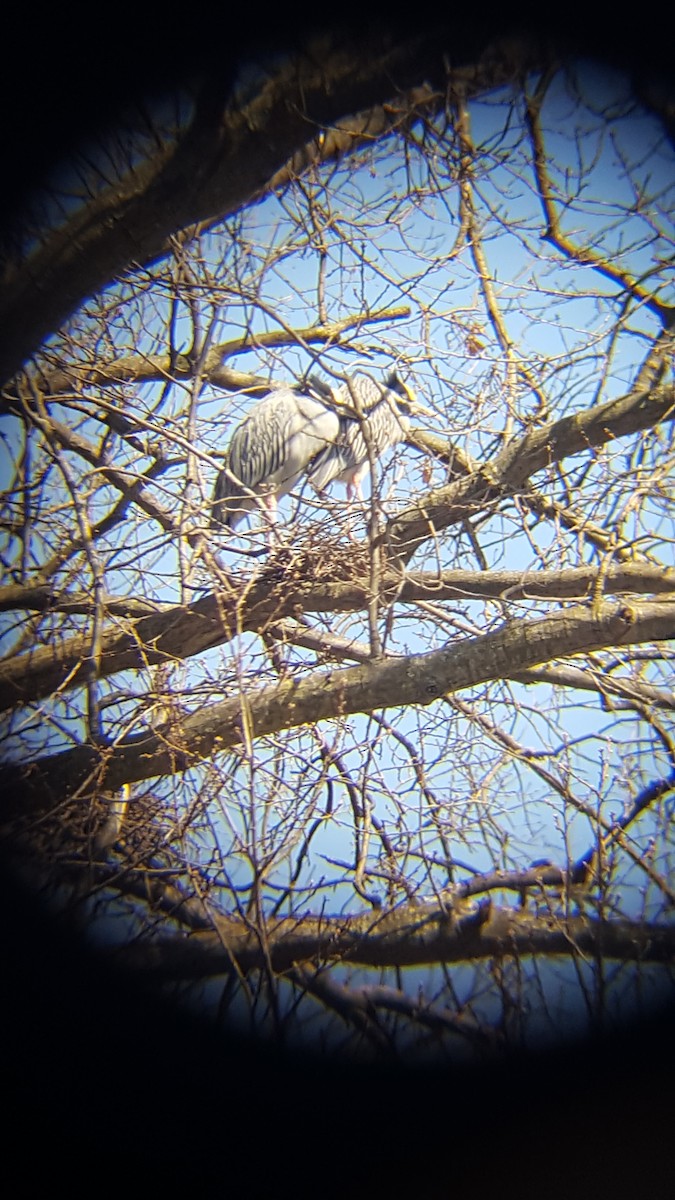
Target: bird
(371,414)
(272,448)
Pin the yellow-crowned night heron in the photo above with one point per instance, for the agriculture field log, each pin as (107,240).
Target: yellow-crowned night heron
(271,450)
(370,413)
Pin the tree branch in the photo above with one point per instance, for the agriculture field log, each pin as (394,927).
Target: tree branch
(180,632)
(509,471)
(416,679)
(236,145)
(158,368)
(411,936)
(599,681)
(554,234)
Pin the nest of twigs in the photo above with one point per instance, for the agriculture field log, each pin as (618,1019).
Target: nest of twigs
(319,555)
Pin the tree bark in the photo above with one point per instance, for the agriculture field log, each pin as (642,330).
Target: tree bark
(180,632)
(411,936)
(238,143)
(416,679)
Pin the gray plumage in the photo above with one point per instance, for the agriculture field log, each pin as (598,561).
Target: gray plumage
(271,450)
(383,409)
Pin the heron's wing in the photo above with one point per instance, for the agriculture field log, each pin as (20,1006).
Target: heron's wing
(308,430)
(229,503)
(359,392)
(385,423)
(271,448)
(339,458)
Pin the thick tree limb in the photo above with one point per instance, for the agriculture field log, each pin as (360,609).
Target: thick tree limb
(410,936)
(232,150)
(181,632)
(43,598)
(175,634)
(417,679)
(157,368)
(509,472)
(33,676)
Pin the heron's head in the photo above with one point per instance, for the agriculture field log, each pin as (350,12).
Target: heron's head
(406,399)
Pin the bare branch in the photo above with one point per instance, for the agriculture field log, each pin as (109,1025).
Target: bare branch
(417,679)
(554,234)
(153,368)
(179,632)
(231,149)
(511,469)
(321,725)
(588,679)
(410,936)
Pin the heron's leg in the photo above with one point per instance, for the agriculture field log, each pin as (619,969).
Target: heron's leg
(354,489)
(270,507)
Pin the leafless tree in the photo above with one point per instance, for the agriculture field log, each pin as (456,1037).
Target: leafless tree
(402,784)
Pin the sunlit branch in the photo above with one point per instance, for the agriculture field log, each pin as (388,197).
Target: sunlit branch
(460,465)
(416,679)
(514,367)
(655,791)
(554,234)
(409,936)
(321,641)
(43,598)
(512,468)
(156,368)
(127,482)
(179,632)
(229,152)
(591,680)
(612,831)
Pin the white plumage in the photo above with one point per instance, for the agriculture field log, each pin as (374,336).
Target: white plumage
(371,414)
(314,430)
(271,450)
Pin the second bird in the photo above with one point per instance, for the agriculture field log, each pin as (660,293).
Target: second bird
(370,413)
